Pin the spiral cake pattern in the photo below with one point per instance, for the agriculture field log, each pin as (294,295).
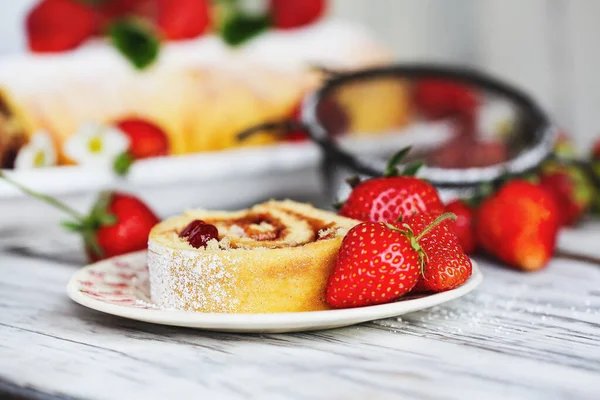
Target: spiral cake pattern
(273,257)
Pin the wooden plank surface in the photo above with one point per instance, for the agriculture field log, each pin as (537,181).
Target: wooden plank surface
(518,336)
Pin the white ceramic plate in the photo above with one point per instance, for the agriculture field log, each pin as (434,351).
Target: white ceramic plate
(119,286)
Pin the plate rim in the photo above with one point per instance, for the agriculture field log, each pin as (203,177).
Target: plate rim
(255,322)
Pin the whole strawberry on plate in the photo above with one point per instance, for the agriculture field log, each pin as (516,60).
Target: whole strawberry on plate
(518,224)
(379,263)
(446,266)
(392,196)
(118,223)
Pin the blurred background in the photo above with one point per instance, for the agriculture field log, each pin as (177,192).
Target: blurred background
(546,47)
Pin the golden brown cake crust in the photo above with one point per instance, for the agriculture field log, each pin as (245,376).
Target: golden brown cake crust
(284,270)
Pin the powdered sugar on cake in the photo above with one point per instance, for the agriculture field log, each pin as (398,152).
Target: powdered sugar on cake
(180,279)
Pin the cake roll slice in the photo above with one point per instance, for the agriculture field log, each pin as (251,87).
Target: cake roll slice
(273,257)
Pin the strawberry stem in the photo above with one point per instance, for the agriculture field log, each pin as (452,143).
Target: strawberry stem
(435,223)
(45,198)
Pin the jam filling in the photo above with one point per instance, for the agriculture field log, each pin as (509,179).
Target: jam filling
(199,233)
(260,227)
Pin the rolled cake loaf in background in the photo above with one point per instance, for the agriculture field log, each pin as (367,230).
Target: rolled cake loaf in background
(200,92)
(273,257)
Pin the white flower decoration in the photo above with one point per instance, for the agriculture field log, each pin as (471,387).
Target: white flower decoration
(96,144)
(38,153)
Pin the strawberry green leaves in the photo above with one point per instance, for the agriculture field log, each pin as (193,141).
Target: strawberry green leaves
(135,41)
(392,166)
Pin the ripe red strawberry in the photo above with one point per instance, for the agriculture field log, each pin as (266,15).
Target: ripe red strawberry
(133,220)
(571,188)
(391,197)
(183,19)
(446,265)
(519,224)
(464,226)
(439,98)
(118,223)
(596,150)
(59,25)
(296,135)
(375,265)
(146,140)
(290,14)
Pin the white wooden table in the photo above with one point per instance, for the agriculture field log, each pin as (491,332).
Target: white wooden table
(517,336)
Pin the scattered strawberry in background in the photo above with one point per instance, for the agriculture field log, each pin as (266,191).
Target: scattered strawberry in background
(118,223)
(571,188)
(59,25)
(446,266)
(440,98)
(290,14)
(126,230)
(146,140)
(299,134)
(464,225)
(388,198)
(378,262)
(518,225)
(183,19)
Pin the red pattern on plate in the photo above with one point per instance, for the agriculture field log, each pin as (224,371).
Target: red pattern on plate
(117,282)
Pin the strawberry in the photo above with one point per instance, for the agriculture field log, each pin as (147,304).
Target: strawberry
(290,14)
(132,221)
(446,265)
(464,224)
(146,140)
(299,134)
(519,224)
(388,198)
(377,263)
(571,188)
(439,98)
(118,223)
(595,154)
(59,25)
(183,19)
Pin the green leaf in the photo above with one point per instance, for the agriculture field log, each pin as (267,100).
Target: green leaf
(238,28)
(412,169)
(91,241)
(99,215)
(136,41)
(72,226)
(122,164)
(391,169)
(107,219)
(338,205)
